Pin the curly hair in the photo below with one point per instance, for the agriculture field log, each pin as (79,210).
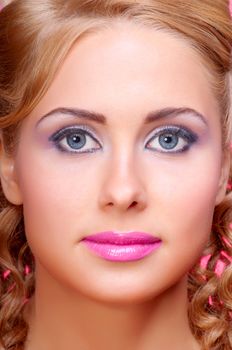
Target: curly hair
(35,37)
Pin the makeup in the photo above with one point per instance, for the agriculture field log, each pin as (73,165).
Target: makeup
(72,139)
(121,247)
(170,136)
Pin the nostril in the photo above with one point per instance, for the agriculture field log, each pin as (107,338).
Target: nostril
(133,204)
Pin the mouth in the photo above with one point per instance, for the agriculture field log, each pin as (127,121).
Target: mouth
(127,246)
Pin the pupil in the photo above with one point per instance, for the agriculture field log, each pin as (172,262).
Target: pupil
(76,141)
(168,141)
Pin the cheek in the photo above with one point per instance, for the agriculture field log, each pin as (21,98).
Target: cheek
(185,201)
(56,198)
(190,195)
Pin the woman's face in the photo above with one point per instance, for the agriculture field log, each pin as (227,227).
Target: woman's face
(76,176)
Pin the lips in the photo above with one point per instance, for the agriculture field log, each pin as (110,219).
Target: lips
(122,247)
(112,237)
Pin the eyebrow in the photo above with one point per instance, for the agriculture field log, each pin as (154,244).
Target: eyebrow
(168,112)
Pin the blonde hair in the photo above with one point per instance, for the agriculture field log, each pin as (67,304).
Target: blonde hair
(35,37)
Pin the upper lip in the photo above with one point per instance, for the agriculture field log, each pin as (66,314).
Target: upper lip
(135,237)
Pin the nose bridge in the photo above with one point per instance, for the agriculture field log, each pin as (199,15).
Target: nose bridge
(123,159)
(123,185)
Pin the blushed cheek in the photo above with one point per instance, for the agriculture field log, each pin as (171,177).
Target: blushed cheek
(185,189)
(191,214)
(55,198)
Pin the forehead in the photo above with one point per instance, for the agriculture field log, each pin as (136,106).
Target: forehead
(127,66)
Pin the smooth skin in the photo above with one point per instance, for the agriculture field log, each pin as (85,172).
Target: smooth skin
(128,183)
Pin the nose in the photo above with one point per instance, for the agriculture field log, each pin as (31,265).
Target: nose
(123,187)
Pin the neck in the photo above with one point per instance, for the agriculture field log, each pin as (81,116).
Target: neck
(59,318)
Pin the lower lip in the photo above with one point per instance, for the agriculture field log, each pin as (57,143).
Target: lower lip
(114,252)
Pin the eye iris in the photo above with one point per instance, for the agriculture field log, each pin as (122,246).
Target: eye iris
(168,141)
(76,140)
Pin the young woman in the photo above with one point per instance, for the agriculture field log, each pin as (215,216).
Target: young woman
(115,170)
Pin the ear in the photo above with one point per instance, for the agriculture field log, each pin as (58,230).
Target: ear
(224,178)
(8,177)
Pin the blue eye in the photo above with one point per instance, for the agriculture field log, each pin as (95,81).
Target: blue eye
(75,140)
(172,139)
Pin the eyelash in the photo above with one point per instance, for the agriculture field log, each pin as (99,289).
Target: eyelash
(63,134)
(179,131)
(169,130)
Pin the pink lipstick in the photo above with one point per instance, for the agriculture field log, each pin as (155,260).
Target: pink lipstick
(115,246)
